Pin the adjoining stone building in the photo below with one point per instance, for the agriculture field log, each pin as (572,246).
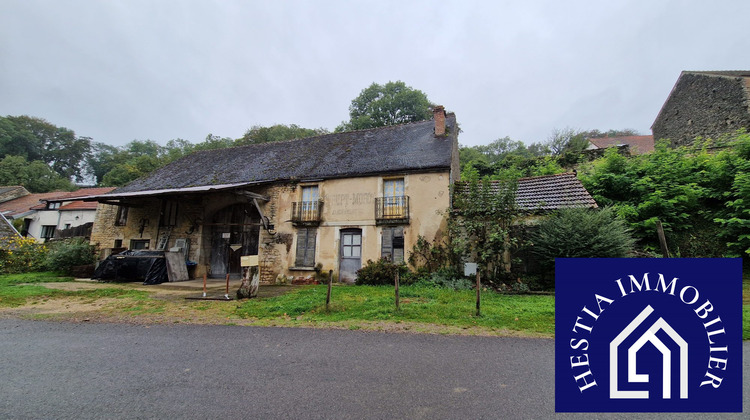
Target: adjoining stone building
(704,104)
(332,201)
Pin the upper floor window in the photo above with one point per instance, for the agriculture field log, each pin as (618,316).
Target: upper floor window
(168,213)
(53,205)
(393,187)
(122,216)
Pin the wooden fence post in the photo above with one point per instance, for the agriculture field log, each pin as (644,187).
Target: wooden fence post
(398,304)
(662,239)
(479,289)
(328,296)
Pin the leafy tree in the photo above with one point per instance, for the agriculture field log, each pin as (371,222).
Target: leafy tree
(278,132)
(36,176)
(36,139)
(480,226)
(389,104)
(131,170)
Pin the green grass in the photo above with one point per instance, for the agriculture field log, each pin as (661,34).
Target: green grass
(419,304)
(18,289)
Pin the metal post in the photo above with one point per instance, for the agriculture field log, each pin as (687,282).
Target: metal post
(227,293)
(204,285)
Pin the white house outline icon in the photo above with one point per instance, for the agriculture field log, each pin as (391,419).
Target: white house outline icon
(650,337)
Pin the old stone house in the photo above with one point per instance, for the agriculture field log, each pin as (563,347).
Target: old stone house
(706,104)
(332,201)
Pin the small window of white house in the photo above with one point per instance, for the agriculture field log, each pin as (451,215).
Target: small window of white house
(48,232)
(53,205)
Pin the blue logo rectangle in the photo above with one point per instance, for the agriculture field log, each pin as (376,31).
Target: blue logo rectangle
(648,335)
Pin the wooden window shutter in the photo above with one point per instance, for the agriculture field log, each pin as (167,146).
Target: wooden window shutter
(398,244)
(386,250)
(305,248)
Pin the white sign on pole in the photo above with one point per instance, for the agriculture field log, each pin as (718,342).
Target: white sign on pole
(470,269)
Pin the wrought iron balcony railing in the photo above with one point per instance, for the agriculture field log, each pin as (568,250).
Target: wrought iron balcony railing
(392,210)
(306,213)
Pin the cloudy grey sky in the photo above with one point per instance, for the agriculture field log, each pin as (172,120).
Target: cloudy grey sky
(130,69)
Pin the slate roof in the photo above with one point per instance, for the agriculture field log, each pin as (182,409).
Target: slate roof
(547,192)
(638,144)
(6,228)
(400,148)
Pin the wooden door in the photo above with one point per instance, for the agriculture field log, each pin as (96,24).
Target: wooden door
(235,232)
(350,254)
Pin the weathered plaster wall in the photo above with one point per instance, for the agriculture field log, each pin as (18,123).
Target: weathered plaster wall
(350,203)
(703,105)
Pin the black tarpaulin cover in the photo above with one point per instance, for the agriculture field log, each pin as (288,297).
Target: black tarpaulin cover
(147,266)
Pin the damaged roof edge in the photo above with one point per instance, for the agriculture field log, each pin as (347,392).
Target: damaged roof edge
(151,193)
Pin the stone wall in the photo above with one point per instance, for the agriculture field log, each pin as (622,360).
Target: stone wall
(703,105)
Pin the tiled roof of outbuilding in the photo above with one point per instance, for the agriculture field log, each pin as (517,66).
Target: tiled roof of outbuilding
(638,144)
(400,148)
(547,192)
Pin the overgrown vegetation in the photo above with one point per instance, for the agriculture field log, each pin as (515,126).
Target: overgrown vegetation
(479,227)
(64,255)
(380,272)
(698,193)
(21,255)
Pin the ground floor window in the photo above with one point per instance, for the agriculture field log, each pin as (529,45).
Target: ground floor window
(139,243)
(306,247)
(48,231)
(393,244)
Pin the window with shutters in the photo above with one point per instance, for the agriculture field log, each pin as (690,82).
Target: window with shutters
(393,244)
(305,247)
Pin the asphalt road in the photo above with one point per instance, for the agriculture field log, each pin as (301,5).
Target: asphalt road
(65,370)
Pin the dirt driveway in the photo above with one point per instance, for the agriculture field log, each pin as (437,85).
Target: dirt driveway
(134,302)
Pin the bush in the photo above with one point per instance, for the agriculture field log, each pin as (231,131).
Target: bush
(581,233)
(447,279)
(21,255)
(65,255)
(380,272)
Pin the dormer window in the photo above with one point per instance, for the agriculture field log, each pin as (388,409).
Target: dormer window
(53,205)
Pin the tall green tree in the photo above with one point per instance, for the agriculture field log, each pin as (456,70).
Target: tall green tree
(278,132)
(36,176)
(36,139)
(389,104)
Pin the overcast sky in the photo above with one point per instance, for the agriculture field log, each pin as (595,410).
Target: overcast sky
(123,70)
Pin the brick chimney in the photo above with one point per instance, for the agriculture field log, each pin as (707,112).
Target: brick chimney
(439,117)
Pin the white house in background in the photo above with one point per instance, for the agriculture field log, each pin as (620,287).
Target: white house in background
(54,214)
